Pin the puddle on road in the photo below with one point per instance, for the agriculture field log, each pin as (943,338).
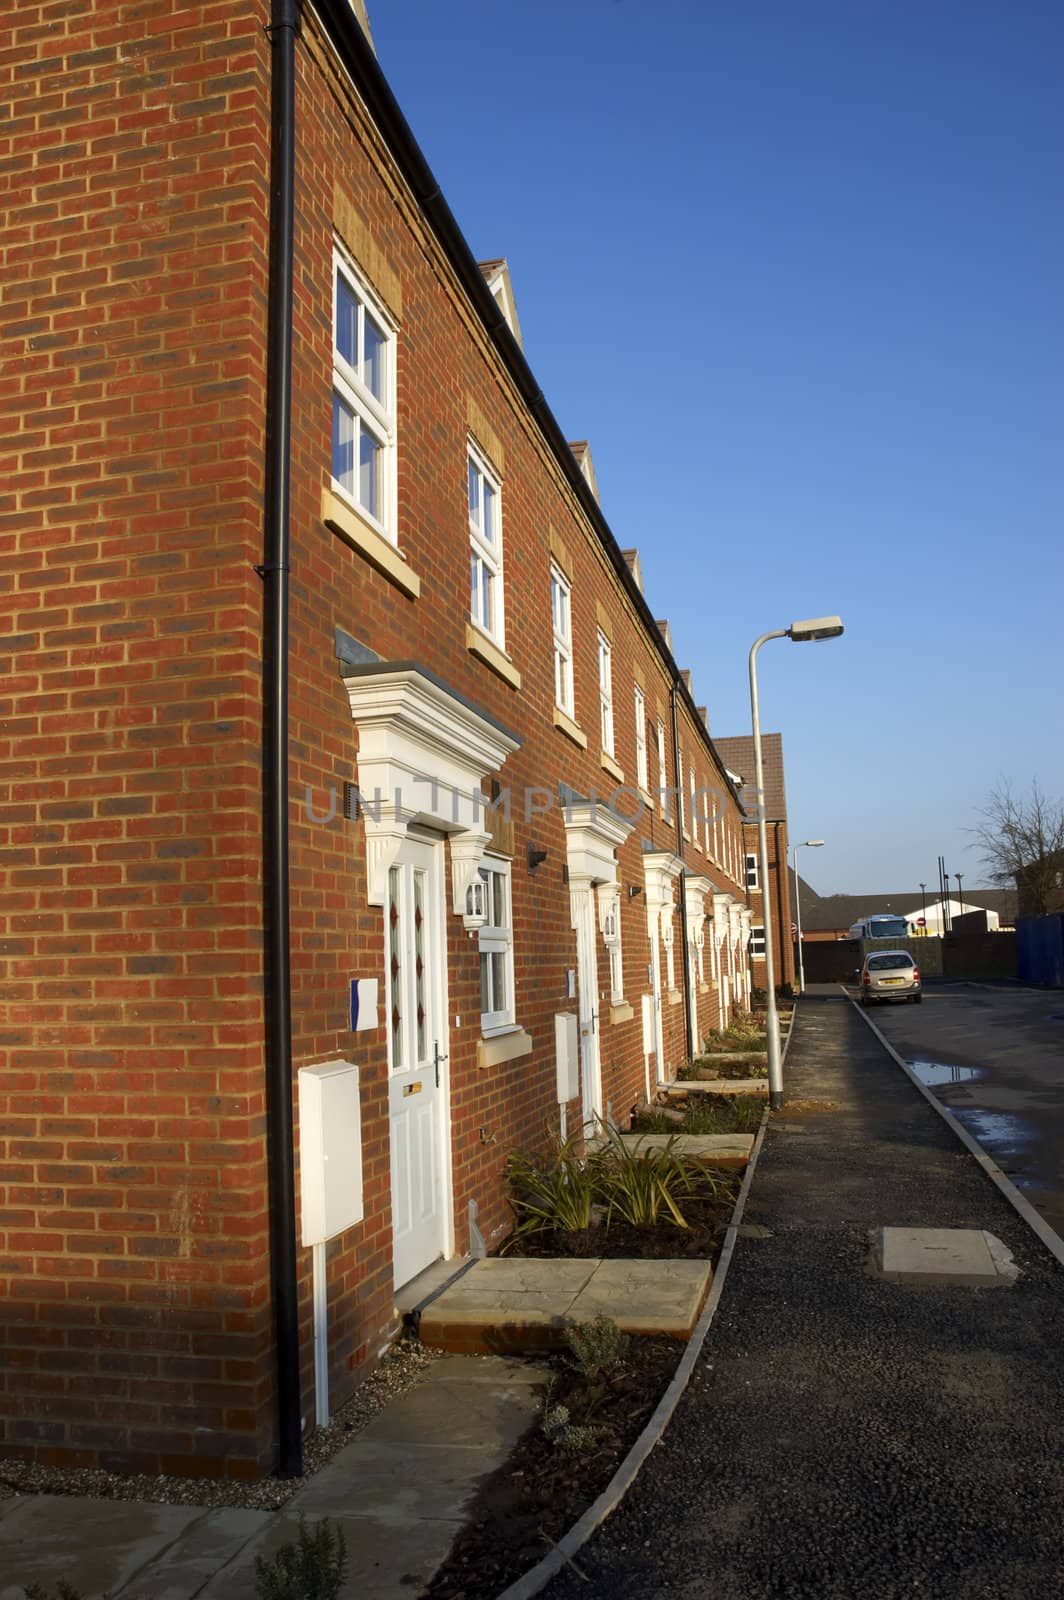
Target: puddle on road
(995,1129)
(935,1074)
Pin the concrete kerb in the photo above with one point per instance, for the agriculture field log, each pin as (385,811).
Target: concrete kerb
(541,1574)
(1037,1224)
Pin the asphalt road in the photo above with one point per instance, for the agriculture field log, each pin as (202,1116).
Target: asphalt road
(845,1438)
(995,1057)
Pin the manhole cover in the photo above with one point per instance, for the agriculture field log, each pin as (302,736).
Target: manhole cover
(941,1256)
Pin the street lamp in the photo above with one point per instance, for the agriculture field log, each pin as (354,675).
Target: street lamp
(800,632)
(960,891)
(806,844)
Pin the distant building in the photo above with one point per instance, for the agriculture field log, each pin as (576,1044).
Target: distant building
(826,917)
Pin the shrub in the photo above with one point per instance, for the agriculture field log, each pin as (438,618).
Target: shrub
(644,1187)
(310,1567)
(596,1348)
(551,1193)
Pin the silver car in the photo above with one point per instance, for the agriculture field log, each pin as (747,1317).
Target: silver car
(890,975)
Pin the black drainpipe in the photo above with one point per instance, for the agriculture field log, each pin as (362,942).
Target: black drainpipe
(284,25)
(685,953)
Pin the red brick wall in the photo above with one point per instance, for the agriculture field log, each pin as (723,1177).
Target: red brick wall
(133,1216)
(133,1244)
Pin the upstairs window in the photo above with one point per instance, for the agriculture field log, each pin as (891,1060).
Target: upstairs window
(605,676)
(642,766)
(751,872)
(757,941)
(363,411)
(562,621)
(485,539)
(663,774)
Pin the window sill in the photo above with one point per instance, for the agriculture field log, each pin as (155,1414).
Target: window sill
(345,521)
(621,1013)
(675,997)
(486,650)
(565,724)
(607,763)
(503,1047)
(646,799)
(703,988)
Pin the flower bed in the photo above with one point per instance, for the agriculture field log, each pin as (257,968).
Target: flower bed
(557,1469)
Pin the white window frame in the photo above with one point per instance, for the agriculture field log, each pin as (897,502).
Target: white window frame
(486,556)
(692,821)
(757,941)
(642,764)
(752,874)
(605,677)
(705,819)
(497,939)
(375,415)
(663,773)
(561,609)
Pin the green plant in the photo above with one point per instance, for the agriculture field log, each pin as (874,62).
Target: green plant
(642,1187)
(596,1348)
(310,1567)
(551,1193)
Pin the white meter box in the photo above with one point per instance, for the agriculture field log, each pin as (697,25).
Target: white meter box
(567,1055)
(330,1150)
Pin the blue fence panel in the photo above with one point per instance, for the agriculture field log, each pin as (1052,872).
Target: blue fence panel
(1040,950)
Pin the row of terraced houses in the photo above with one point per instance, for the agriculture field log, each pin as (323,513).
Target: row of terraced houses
(359,825)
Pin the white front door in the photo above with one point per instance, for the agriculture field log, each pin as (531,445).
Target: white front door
(415,1015)
(588,1005)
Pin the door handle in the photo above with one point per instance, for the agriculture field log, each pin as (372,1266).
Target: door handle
(436,1059)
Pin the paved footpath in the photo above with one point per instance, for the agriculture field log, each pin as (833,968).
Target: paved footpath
(847,1437)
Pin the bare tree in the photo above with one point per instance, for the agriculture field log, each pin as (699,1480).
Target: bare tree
(1021,842)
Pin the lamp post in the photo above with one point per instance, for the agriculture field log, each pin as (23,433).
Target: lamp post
(960,891)
(806,844)
(923,908)
(800,632)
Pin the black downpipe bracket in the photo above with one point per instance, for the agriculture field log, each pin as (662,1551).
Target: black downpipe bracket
(685,953)
(284,25)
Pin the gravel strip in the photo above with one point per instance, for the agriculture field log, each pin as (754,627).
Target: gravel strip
(851,1437)
(401,1367)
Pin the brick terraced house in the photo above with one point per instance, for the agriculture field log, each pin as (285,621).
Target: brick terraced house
(321,660)
(738,755)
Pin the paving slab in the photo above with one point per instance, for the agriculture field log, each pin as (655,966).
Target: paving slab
(666,1299)
(715,1149)
(384,1562)
(98,1546)
(522,1304)
(402,1489)
(718,1086)
(963,1257)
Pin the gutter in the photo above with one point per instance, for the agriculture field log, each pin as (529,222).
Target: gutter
(284,25)
(358,57)
(684,951)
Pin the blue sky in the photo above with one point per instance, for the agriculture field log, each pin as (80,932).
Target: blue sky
(794,269)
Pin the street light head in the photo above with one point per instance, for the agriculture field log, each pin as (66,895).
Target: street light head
(815,628)
(811,843)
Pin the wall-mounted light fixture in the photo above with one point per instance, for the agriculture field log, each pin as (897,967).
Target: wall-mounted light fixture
(633,890)
(534,857)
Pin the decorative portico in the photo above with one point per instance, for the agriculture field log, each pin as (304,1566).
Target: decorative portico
(423,753)
(696,889)
(661,869)
(592,835)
